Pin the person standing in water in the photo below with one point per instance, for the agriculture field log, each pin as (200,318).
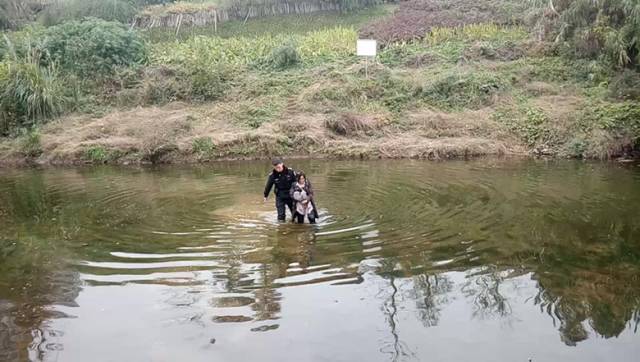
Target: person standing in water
(302,194)
(282,178)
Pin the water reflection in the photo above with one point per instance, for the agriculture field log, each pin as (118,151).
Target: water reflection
(410,260)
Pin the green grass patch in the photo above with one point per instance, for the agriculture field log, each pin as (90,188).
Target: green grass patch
(29,143)
(203,147)
(476,32)
(96,154)
(529,123)
(384,91)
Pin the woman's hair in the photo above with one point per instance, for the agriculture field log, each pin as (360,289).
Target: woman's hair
(301,174)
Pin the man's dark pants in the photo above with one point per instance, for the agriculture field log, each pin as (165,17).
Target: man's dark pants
(280,206)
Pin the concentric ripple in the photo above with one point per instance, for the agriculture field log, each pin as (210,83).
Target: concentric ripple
(204,237)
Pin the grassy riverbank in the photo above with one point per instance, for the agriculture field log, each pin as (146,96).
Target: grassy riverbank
(298,89)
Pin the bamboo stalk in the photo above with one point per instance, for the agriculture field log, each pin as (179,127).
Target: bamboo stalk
(179,23)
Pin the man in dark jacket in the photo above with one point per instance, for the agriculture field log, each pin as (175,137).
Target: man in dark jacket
(282,178)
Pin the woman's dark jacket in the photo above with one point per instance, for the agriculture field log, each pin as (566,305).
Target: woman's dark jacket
(309,190)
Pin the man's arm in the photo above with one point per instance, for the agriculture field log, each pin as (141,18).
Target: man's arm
(268,186)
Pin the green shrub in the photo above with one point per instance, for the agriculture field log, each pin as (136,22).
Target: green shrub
(530,124)
(96,154)
(608,29)
(111,10)
(30,94)
(577,147)
(209,82)
(19,43)
(284,56)
(29,143)
(92,47)
(203,147)
(621,118)
(161,85)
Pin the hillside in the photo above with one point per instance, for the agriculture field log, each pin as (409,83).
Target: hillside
(480,80)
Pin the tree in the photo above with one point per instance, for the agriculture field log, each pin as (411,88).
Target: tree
(606,29)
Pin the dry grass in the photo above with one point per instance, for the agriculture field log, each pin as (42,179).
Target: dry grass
(352,125)
(170,133)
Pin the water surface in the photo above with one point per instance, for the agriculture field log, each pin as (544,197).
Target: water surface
(486,260)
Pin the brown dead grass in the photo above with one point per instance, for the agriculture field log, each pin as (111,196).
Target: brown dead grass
(167,134)
(352,124)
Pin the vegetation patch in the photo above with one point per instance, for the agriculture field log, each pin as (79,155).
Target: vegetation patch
(60,11)
(29,144)
(31,93)
(530,124)
(455,90)
(203,147)
(92,47)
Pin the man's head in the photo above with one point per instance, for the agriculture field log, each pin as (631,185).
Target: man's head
(278,164)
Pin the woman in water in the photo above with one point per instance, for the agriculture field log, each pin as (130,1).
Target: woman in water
(302,194)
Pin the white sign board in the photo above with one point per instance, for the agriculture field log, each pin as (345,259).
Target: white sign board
(366,47)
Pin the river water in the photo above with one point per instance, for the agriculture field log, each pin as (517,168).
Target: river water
(486,260)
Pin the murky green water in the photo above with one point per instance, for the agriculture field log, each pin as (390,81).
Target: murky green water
(412,261)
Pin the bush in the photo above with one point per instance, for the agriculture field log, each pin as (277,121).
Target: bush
(29,144)
(92,47)
(96,154)
(111,10)
(162,85)
(621,119)
(203,146)
(20,43)
(209,83)
(283,57)
(608,30)
(30,93)
(532,125)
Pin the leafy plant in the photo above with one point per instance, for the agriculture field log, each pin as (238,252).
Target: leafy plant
(96,154)
(92,47)
(30,93)
(312,48)
(606,29)
(209,83)
(29,144)
(284,56)
(203,146)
